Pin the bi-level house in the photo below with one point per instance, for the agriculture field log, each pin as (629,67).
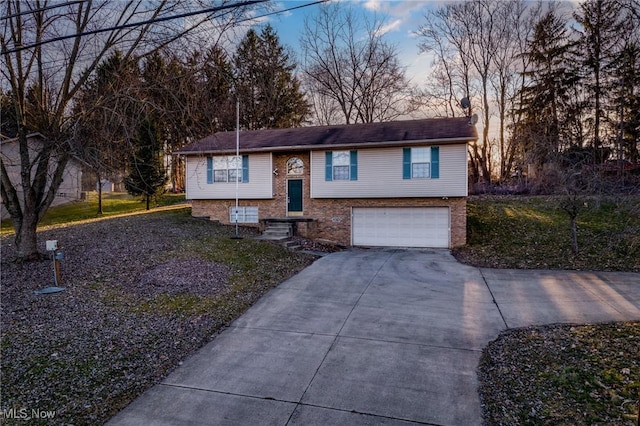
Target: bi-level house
(399,184)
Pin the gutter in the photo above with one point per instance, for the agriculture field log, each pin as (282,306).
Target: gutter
(311,147)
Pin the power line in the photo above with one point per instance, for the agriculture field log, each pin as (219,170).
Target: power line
(135,24)
(285,10)
(167,18)
(41,9)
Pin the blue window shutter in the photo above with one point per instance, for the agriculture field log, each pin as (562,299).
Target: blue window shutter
(353,161)
(435,162)
(328,171)
(406,163)
(209,169)
(245,168)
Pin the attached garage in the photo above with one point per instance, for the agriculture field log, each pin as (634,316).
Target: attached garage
(401,226)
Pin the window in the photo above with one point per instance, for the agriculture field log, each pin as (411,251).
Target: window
(421,163)
(295,166)
(243,215)
(341,165)
(228,168)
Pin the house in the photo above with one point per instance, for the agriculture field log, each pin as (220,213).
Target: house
(71,187)
(399,183)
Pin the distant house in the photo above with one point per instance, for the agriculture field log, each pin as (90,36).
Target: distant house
(401,183)
(70,189)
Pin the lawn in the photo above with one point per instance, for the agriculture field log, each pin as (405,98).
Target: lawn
(534,233)
(142,293)
(562,375)
(113,203)
(558,374)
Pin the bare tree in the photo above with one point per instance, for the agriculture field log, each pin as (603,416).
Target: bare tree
(466,32)
(477,46)
(48,53)
(350,68)
(109,107)
(578,186)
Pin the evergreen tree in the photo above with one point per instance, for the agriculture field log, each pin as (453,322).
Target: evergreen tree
(544,100)
(107,109)
(146,175)
(599,46)
(218,101)
(269,92)
(8,122)
(626,102)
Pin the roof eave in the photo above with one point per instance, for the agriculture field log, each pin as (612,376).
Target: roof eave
(440,141)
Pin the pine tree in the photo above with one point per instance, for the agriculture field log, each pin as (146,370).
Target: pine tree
(217,81)
(269,92)
(545,98)
(146,175)
(598,43)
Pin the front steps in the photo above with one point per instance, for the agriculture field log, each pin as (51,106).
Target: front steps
(277,231)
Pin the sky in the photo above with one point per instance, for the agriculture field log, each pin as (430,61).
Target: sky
(402,18)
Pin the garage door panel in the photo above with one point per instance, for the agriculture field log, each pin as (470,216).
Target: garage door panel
(401,226)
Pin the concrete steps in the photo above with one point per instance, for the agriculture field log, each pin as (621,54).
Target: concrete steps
(277,231)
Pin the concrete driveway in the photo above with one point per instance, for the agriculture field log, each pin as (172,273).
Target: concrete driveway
(380,336)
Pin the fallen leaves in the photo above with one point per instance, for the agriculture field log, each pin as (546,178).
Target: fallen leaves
(578,375)
(142,293)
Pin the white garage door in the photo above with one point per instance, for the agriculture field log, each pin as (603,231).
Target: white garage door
(400,226)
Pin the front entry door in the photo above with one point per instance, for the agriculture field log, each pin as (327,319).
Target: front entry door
(294,197)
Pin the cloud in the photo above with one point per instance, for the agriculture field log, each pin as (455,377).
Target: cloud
(374,5)
(392,26)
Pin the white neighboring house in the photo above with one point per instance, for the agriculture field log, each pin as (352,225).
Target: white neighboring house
(71,186)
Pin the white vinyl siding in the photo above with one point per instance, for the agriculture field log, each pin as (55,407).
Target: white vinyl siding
(380,175)
(260,185)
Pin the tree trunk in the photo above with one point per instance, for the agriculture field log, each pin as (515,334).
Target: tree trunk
(100,199)
(26,237)
(574,235)
(99,194)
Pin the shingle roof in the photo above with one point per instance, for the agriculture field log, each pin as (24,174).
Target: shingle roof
(434,130)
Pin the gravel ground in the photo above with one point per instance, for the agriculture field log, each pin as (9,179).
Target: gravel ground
(136,303)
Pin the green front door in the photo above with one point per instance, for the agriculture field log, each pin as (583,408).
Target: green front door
(294,197)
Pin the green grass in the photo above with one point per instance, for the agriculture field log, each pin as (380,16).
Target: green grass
(246,258)
(534,232)
(113,204)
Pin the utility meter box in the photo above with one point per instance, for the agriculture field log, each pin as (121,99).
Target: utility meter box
(52,245)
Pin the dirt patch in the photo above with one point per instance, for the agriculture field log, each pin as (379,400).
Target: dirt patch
(184,276)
